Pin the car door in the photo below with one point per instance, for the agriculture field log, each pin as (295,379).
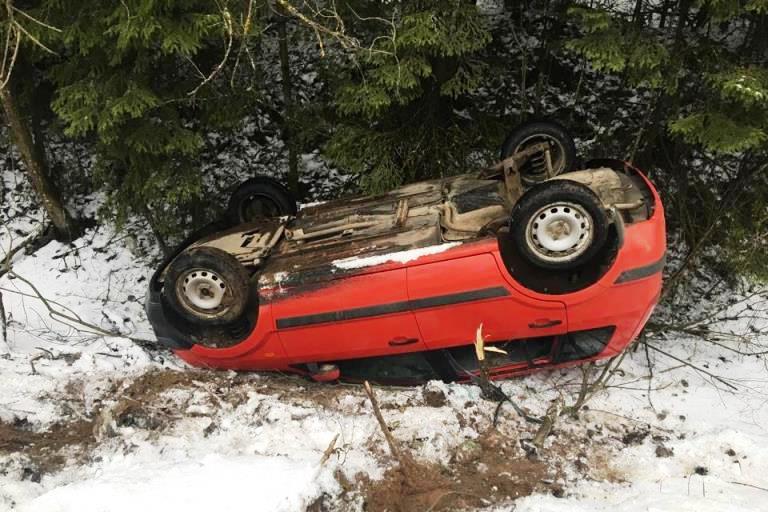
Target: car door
(356,316)
(451,298)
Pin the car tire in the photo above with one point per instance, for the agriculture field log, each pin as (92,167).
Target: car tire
(260,197)
(559,225)
(206,286)
(563,149)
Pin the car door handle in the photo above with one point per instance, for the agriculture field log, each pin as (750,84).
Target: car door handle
(543,323)
(400,341)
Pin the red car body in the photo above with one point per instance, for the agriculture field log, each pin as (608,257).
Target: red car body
(434,304)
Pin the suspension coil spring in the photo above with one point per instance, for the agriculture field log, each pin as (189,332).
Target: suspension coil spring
(538,163)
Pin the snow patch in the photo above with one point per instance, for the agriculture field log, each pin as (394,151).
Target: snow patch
(396,257)
(213,482)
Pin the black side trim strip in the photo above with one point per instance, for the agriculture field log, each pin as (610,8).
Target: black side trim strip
(346,314)
(642,272)
(392,307)
(457,298)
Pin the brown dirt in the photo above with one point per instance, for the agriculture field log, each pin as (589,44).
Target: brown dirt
(489,470)
(137,402)
(434,397)
(500,473)
(48,450)
(44,449)
(600,467)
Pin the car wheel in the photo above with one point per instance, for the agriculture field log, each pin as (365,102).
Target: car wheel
(259,198)
(559,224)
(206,286)
(562,149)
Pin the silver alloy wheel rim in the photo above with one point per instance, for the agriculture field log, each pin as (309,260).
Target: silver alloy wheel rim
(560,232)
(203,292)
(557,151)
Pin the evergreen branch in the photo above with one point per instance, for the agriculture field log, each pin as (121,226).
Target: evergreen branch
(734,192)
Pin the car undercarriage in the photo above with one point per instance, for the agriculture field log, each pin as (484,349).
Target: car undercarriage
(456,209)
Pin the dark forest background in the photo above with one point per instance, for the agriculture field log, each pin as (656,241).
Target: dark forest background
(155,109)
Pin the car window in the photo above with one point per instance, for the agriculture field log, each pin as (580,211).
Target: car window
(402,369)
(464,360)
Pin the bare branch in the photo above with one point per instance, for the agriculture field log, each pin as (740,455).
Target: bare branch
(691,365)
(14,34)
(35,20)
(339,34)
(230,37)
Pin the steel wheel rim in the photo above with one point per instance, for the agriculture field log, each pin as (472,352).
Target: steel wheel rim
(535,168)
(204,293)
(560,232)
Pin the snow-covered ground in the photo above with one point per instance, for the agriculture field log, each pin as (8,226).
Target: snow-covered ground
(131,429)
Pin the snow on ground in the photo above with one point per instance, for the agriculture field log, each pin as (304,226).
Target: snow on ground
(96,280)
(706,446)
(159,435)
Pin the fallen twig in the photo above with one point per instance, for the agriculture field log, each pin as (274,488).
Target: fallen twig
(547,423)
(12,251)
(748,485)
(711,336)
(107,354)
(491,391)
(3,320)
(573,410)
(650,372)
(393,446)
(72,319)
(47,354)
(328,451)
(635,420)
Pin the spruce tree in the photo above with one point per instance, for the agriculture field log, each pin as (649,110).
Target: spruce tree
(144,79)
(719,86)
(706,63)
(402,102)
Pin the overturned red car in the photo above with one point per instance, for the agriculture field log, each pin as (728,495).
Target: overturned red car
(559,266)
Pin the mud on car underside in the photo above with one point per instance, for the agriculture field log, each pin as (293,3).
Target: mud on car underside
(323,242)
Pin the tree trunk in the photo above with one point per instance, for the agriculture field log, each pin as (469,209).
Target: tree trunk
(554,32)
(34,161)
(637,15)
(161,243)
(288,132)
(683,10)
(759,40)
(665,7)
